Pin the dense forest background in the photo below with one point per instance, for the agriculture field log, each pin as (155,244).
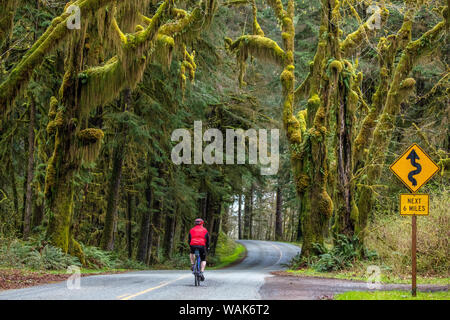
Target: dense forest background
(87,117)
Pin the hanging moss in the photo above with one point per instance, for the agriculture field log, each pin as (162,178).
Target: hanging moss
(185,29)
(90,135)
(18,78)
(187,64)
(163,50)
(90,142)
(261,47)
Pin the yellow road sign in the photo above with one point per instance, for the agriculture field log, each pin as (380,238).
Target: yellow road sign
(414,168)
(414,204)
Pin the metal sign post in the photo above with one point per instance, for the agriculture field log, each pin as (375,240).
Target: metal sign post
(414,168)
(413,254)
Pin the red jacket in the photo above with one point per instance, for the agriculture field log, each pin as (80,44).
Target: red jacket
(199,236)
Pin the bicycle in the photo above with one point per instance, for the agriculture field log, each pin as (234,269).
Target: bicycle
(197,268)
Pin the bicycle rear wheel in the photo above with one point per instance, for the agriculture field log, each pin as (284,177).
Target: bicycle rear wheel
(197,269)
(197,283)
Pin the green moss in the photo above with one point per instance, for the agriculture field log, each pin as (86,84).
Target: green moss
(287,78)
(164,49)
(76,250)
(90,142)
(90,135)
(302,183)
(53,125)
(444,165)
(49,177)
(354,216)
(408,83)
(336,65)
(261,47)
(301,116)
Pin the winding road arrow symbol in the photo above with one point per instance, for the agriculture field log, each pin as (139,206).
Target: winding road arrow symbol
(413,157)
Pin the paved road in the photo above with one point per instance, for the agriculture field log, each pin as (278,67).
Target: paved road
(241,281)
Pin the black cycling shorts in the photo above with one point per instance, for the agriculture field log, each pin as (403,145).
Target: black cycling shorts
(201,250)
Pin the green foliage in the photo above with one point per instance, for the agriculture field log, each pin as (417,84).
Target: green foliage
(390,236)
(98,259)
(227,251)
(345,252)
(34,255)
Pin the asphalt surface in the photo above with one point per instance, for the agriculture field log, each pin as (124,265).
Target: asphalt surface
(240,282)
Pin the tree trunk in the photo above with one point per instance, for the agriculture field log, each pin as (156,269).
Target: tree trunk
(250,222)
(279,217)
(239,217)
(14,188)
(131,207)
(214,226)
(226,219)
(67,158)
(169,234)
(145,224)
(182,236)
(299,225)
(216,229)
(246,216)
(38,215)
(30,171)
(107,242)
(155,232)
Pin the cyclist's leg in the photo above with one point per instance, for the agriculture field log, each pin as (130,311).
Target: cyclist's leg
(203,258)
(192,257)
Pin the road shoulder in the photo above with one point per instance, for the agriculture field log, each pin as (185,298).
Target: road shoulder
(283,286)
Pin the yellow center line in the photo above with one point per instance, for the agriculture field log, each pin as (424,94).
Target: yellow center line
(151,289)
(281,255)
(123,295)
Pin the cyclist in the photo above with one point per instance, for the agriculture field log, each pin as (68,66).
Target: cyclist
(199,240)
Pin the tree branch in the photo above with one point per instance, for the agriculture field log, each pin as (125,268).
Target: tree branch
(53,36)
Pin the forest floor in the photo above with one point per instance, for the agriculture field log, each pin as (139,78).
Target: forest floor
(289,286)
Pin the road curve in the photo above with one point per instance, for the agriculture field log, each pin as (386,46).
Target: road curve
(240,282)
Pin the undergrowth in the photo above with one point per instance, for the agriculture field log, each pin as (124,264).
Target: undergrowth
(343,255)
(36,254)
